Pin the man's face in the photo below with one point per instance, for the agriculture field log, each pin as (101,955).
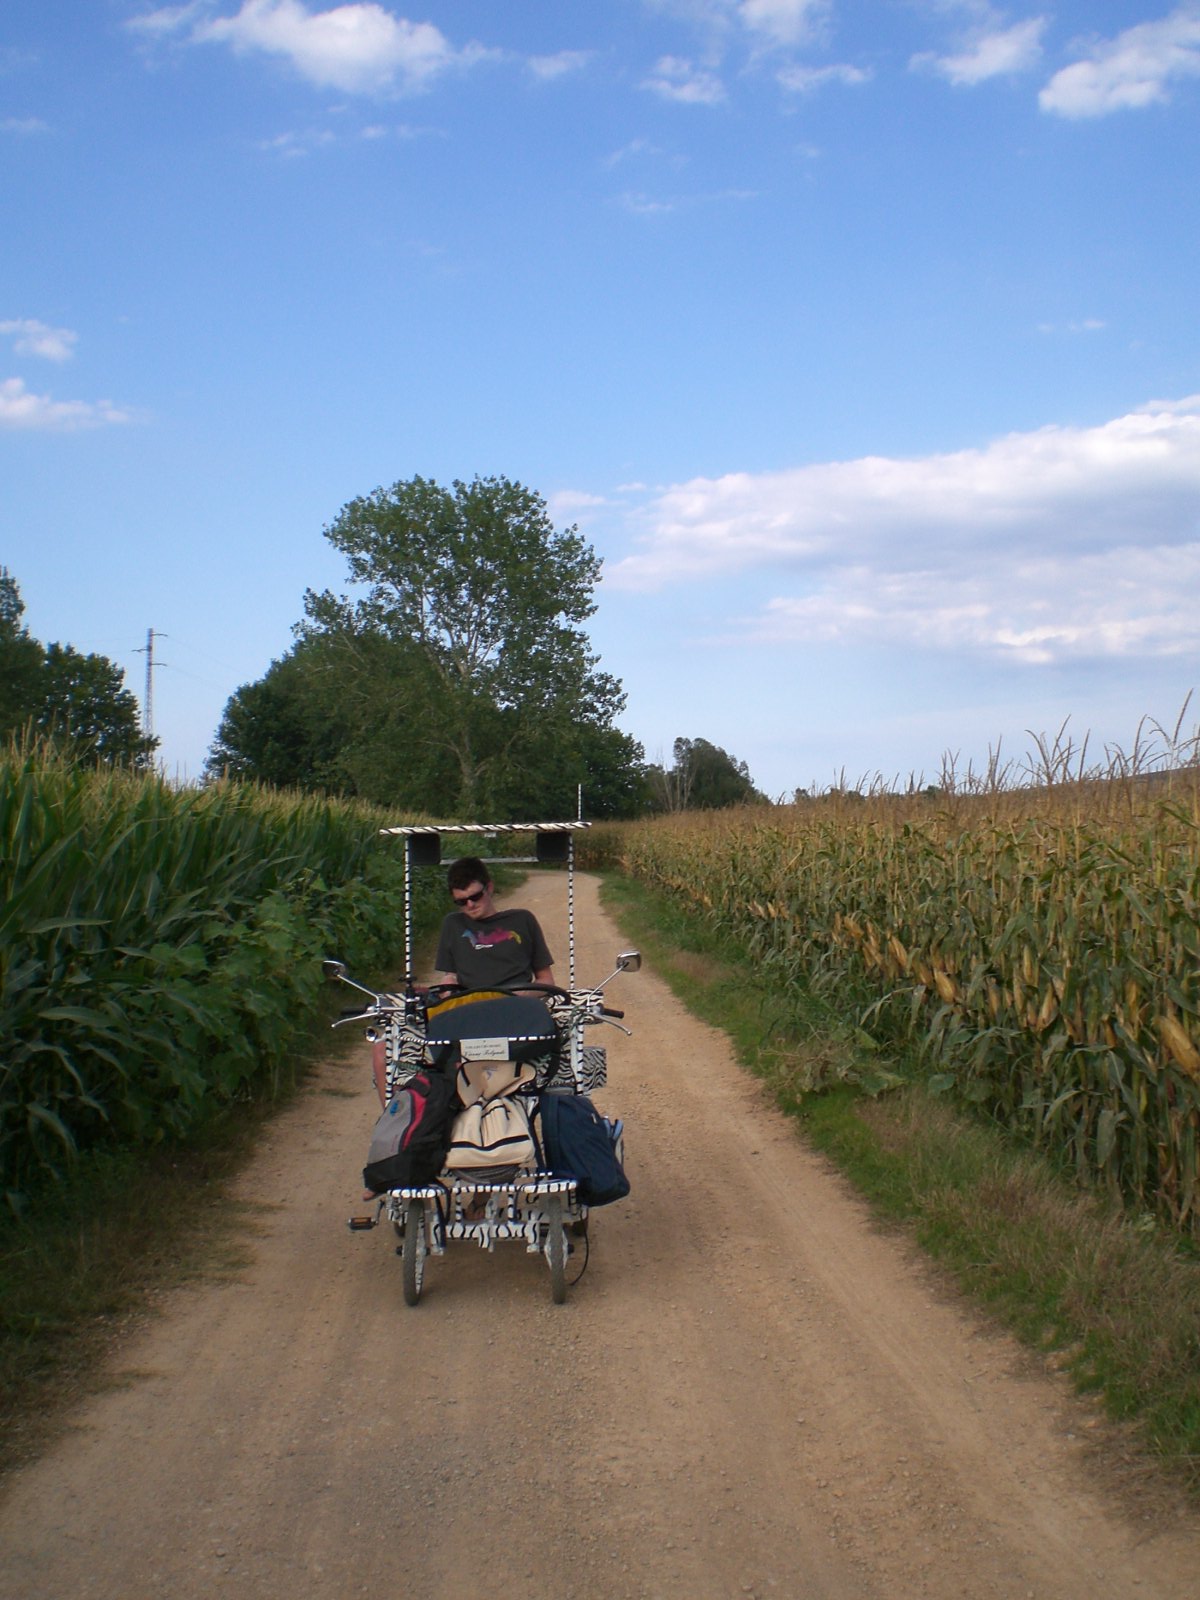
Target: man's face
(475,901)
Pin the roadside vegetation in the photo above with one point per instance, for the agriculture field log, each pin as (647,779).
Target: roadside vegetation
(160,993)
(1037,949)
(1106,1287)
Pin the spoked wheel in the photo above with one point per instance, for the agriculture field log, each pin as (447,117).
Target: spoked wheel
(556,1248)
(413,1250)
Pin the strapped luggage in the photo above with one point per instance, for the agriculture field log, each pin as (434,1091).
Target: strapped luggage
(410,1140)
(579,1143)
(492,1133)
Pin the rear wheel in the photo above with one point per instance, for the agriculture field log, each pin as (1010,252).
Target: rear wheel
(556,1249)
(413,1250)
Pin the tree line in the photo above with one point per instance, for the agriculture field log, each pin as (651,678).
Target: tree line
(457,676)
(77,698)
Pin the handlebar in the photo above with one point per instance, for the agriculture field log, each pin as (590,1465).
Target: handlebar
(501,988)
(410,1008)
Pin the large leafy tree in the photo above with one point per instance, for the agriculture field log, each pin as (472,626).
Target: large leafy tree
(476,600)
(337,714)
(77,698)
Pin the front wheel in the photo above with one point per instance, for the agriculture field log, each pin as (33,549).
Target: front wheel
(556,1249)
(414,1250)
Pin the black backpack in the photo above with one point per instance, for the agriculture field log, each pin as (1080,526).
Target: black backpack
(577,1142)
(411,1138)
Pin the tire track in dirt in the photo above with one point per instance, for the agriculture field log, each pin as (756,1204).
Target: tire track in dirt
(751,1392)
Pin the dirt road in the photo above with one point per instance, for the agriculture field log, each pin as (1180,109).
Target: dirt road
(751,1392)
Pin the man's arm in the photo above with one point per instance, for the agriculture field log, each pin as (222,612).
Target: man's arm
(379,1070)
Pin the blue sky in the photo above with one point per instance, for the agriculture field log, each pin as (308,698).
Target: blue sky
(861,338)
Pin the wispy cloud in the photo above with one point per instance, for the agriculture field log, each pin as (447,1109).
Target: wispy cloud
(784,22)
(804,80)
(740,37)
(628,152)
(1133,70)
(565,504)
(33,338)
(1079,325)
(1058,543)
(298,142)
(650,205)
(991,52)
(548,68)
(295,143)
(677,78)
(20,409)
(1137,601)
(359,48)
(165,20)
(23,127)
(645,205)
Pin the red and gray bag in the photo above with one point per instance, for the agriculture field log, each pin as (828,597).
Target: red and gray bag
(411,1138)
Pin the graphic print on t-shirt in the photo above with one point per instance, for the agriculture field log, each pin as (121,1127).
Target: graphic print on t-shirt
(491,936)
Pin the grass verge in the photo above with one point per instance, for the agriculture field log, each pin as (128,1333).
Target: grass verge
(1111,1299)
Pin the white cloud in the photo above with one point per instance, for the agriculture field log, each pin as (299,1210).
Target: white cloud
(645,205)
(1081,325)
(1130,71)
(627,152)
(1037,610)
(784,21)
(994,53)
(1042,546)
(675,78)
(803,80)
(33,338)
(294,143)
(168,19)
(39,413)
(360,47)
(24,127)
(547,68)
(565,504)
(649,205)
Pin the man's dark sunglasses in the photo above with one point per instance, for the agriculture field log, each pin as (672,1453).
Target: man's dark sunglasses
(468,899)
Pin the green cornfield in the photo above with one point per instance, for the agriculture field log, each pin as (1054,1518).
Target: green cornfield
(1040,948)
(160,947)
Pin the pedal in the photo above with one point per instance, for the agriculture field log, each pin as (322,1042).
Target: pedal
(360,1223)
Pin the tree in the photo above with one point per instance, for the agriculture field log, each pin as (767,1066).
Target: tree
(280,730)
(84,701)
(333,715)
(703,778)
(78,699)
(480,599)
(20,659)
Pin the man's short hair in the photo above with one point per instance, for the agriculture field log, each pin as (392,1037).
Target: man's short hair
(466,871)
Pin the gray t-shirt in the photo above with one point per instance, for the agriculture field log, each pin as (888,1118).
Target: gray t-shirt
(508,947)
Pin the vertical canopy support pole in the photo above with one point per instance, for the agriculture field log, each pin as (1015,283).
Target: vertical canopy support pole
(570,911)
(408,871)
